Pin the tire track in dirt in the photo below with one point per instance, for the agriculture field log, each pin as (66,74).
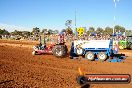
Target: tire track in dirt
(47,71)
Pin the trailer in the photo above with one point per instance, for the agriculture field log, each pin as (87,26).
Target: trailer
(95,50)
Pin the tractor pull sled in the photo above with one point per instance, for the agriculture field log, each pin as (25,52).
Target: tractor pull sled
(91,50)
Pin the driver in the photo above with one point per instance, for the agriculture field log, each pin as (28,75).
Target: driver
(40,46)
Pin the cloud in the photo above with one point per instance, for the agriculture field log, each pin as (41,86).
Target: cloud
(11,28)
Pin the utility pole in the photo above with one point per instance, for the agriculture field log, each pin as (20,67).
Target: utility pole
(75,24)
(114,16)
(115,5)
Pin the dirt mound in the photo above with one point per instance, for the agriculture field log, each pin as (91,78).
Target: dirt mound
(18,68)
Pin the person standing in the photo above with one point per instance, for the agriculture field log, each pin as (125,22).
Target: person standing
(116,47)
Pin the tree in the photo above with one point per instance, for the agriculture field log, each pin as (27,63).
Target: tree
(4,32)
(99,30)
(119,29)
(69,31)
(1,31)
(26,34)
(16,32)
(108,31)
(44,31)
(63,30)
(35,31)
(90,30)
(50,32)
(56,31)
(128,33)
(68,25)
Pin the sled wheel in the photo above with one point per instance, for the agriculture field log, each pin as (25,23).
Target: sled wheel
(102,56)
(79,51)
(89,56)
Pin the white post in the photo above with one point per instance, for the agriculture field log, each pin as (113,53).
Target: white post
(75,24)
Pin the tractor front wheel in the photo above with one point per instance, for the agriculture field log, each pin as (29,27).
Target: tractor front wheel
(33,52)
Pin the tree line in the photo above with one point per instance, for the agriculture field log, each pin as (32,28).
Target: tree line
(103,31)
(107,30)
(36,31)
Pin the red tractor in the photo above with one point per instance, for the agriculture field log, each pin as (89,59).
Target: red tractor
(58,50)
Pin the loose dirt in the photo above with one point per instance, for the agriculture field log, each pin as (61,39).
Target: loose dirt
(18,68)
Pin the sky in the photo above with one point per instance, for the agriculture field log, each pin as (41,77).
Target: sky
(52,14)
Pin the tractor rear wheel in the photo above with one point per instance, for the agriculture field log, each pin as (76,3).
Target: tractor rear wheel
(89,56)
(102,56)
(59,50)
(121,47)
(131,46)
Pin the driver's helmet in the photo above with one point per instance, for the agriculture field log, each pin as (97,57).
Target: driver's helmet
(44,45)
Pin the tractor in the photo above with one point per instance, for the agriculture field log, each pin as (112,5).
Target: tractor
(126,43)
(58,49)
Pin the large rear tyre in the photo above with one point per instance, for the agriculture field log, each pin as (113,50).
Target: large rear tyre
(59,50)
(102,56)
(121,47)
(131,46)
(89,56)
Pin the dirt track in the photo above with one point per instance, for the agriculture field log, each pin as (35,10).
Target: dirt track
(18,68)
